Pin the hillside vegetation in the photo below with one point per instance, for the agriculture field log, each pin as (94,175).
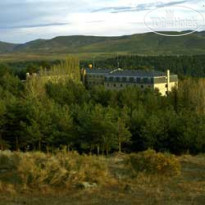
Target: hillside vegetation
(72,145)
(49,111)
(140,44)
(6,47)
(67,177)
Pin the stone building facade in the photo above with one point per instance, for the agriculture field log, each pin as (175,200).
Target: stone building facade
(118,79)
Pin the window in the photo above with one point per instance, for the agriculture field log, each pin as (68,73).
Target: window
(145,80)
(124,79)
(149,80)
(131,79)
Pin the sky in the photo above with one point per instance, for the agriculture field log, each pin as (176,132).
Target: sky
(25,20)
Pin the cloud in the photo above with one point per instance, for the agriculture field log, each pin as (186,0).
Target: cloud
(112,9)
(139,7)
(173,3)
(34,26)
(26,20)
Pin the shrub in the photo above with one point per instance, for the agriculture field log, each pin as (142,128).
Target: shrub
(36,169)
(7,188)
(84,168)
(63,169)
(150,162)
(8,160)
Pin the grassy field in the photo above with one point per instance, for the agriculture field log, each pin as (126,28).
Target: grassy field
(110,182)
(19,57)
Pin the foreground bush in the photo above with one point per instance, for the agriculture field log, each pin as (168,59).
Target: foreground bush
(40,171)
(63,169)
(150,162)
(8,160)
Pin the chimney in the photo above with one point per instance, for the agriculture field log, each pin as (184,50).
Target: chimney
(168,81)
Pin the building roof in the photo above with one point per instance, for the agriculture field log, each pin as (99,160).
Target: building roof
(136,73)
(130,73)
(98,71)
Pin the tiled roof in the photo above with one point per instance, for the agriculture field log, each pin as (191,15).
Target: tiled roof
(120,72)
(137,73)
(98,71)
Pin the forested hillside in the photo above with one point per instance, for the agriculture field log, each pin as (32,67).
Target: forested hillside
(6,47)
(138,44)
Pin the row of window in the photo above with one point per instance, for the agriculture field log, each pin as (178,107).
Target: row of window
(129,79)
(121,85)
(115,85)
(94,83)
(144,80)
(95,76)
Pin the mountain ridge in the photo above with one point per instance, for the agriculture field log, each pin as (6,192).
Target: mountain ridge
(145,44)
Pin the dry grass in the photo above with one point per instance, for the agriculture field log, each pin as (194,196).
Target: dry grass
(37,170)
(150,162)
(36,178)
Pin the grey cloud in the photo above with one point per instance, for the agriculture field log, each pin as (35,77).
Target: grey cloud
(139,7)
(111,8)
(18,14)
(33,26)
(13,12)
(172,3)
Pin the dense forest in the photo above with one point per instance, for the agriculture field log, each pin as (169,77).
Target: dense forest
(181,65)
(40,114)
(193,66)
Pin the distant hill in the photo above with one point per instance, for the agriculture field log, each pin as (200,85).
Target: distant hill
(7,47)
(140,44)
(59,44)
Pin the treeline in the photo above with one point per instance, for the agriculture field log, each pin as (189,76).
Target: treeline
(21,68)
(193,66)
(182,65)
(35,115)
